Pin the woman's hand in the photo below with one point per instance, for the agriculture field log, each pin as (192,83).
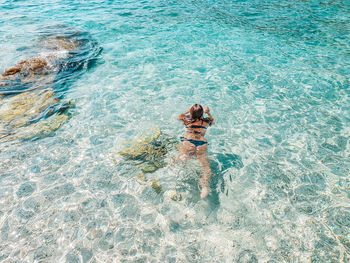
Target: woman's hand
(183,116)
(207,111)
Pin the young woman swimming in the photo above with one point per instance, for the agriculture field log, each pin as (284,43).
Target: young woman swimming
(193,142)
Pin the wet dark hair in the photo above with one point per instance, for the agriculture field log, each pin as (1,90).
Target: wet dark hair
(196,112)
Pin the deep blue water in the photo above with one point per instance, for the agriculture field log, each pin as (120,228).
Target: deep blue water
(276,77)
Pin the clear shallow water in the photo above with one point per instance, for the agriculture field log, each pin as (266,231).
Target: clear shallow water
(276,76)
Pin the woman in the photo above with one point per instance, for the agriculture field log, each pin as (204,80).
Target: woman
(193,142)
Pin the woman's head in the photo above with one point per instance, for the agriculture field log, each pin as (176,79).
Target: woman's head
(196,112)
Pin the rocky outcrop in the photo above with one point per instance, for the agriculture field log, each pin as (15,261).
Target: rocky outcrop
(31,92)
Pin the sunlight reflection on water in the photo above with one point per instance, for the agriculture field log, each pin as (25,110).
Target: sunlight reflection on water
(276,77)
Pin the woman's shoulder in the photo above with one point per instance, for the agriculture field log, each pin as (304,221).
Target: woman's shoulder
(187,120)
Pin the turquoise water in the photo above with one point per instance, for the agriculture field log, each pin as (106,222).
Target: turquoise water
(276,77)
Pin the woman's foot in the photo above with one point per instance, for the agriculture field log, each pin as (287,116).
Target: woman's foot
(204,192)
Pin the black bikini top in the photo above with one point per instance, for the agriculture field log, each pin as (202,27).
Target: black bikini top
(196,127)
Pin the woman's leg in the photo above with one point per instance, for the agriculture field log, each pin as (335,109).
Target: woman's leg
(186,150)
(206,172)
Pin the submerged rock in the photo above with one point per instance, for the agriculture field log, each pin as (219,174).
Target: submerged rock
(149,151)
(27,69)
(31,114)
(141,146)
(173,195)
(156,186)
(30,100)
(146,168)
(60,54)
(43,128)
(19,110)
(38,71)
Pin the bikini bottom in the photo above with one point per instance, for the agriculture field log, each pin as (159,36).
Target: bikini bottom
(194,142)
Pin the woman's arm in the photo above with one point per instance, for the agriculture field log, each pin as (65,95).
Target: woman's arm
(207,111)
(183,116)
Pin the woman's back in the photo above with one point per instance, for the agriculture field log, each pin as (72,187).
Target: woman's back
(197,129)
